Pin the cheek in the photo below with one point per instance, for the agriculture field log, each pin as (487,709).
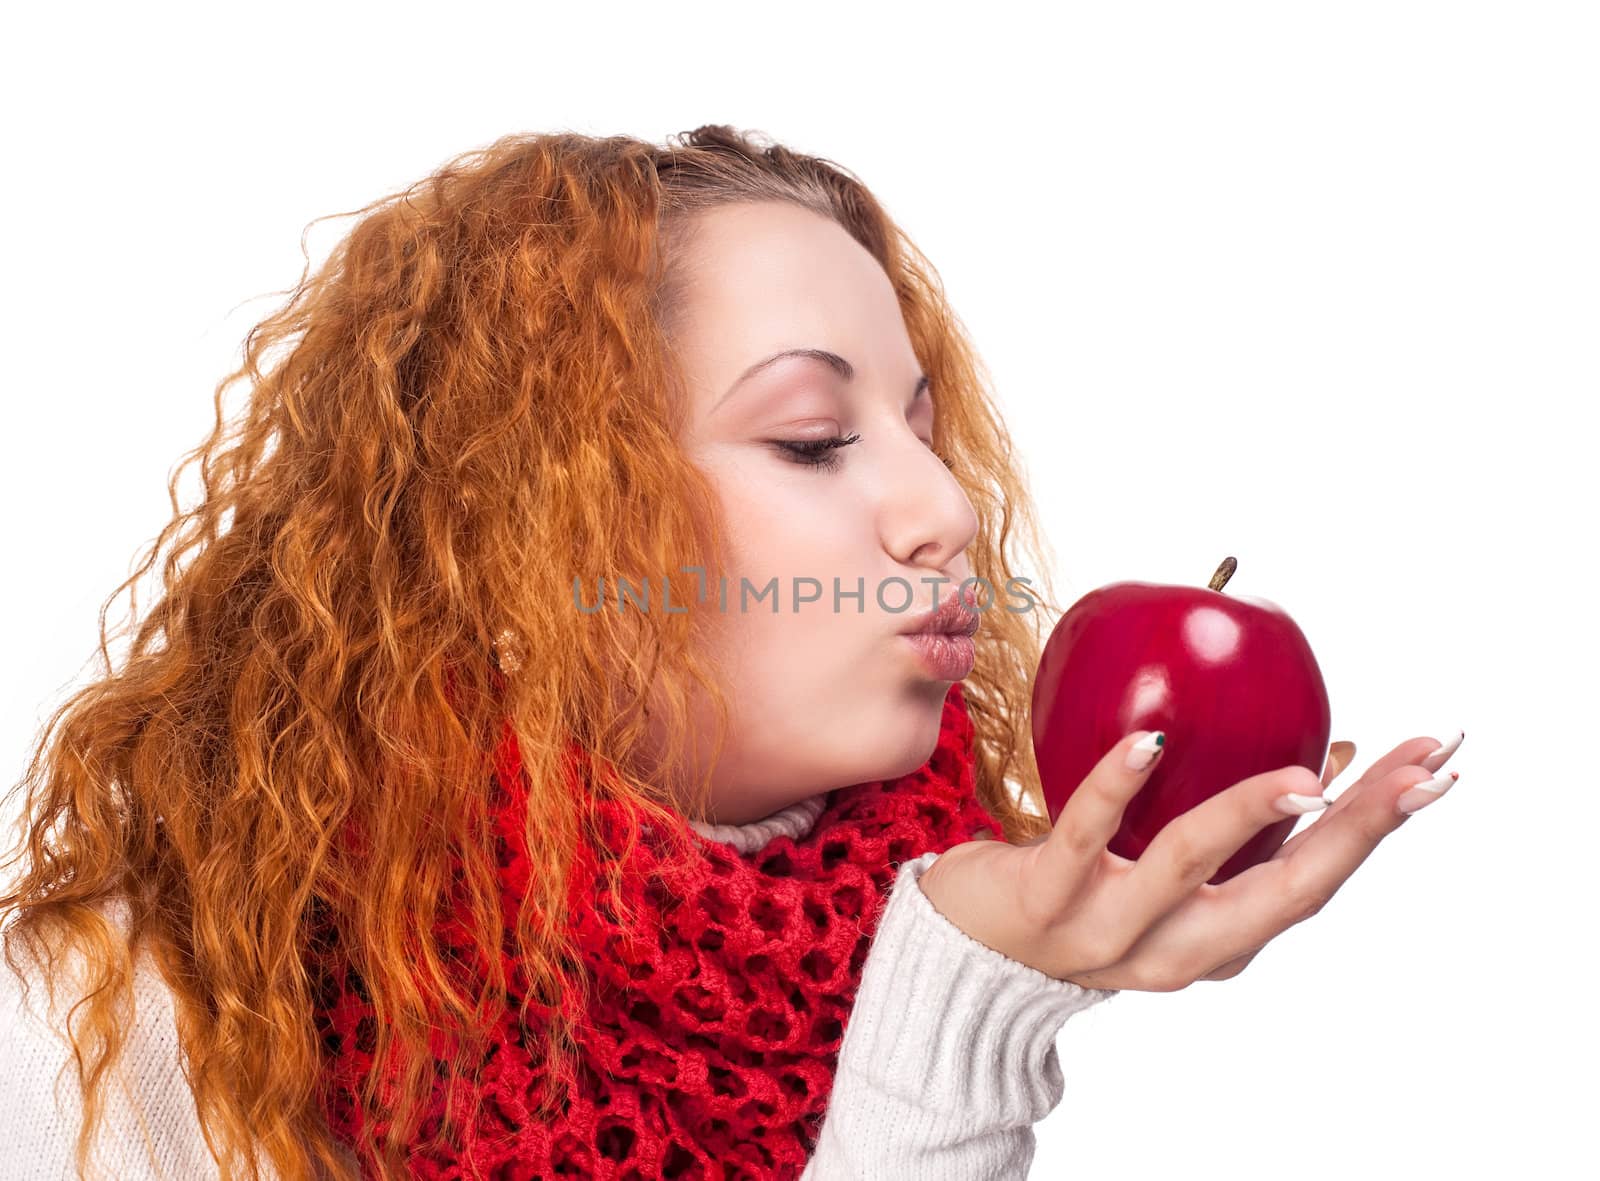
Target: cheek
(786,522)
(790,526)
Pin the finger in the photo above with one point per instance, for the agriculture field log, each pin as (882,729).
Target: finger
(1259,904)
(1093,813)
(1248,911)
(1437,758)
(1193,846)
(1427,753)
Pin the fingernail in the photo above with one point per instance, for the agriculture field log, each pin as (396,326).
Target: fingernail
(1298,805)
(1436,760)
(1424,794)
(1144,752)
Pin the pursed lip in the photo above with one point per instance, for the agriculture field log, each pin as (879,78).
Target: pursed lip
(955,616)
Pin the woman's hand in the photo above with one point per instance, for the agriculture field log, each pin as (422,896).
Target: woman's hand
(1067,906)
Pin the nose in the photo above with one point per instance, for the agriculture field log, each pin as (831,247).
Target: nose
(926,518)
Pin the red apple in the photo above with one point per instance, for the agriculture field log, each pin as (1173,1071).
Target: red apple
(1230,679)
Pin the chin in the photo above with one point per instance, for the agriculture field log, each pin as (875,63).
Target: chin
(920,740)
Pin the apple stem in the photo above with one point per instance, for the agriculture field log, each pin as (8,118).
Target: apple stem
(1224,572)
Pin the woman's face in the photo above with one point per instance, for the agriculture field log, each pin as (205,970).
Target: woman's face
(828,692)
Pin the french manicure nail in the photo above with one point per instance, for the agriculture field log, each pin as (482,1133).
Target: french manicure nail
(1298,805)
(1424,794)
(1437,759)
(1144,752)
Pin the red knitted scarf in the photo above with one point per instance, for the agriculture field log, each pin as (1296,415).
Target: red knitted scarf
(709,1045)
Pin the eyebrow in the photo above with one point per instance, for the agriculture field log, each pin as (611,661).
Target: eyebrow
(833,360)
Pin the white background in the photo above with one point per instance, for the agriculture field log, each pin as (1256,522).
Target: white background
(1313,285)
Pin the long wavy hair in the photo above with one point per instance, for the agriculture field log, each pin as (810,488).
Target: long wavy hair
(453,418)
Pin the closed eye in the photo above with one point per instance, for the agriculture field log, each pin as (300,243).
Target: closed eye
(816,453)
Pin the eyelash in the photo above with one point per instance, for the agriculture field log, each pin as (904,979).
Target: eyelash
(817,453)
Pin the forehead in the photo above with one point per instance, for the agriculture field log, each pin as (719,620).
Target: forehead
(758,277)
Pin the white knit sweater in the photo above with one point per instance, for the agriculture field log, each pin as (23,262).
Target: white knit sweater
(947,1060)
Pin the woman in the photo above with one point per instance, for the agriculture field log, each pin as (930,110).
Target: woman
(399,810)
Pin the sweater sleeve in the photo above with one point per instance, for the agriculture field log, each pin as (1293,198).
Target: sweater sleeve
(149,1131)
(948,1057)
